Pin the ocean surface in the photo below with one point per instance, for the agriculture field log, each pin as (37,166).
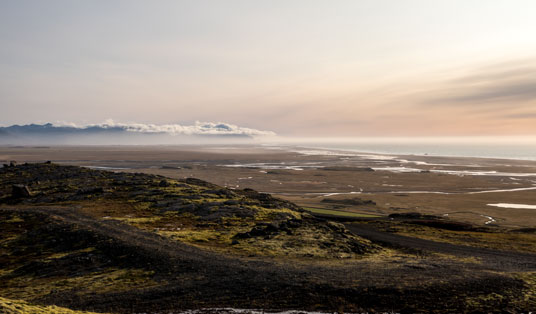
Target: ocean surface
(523,148)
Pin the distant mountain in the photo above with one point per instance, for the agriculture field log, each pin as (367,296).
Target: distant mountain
(49,128)
(125,133)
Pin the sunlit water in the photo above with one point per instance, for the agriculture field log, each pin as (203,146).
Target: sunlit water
(488,147)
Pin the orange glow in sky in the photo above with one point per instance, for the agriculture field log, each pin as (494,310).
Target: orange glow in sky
(298,68)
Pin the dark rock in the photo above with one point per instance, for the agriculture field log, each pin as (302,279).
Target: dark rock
(244,235)
(216,214)
(188,208)
(267,200)
(211,204)
(282,216)
(20,191)
(198,182)
(166,204)
(231,202)
(163,183)
(268,230)
(294,223)
(221,192)
(336,226)
(91,190)
(193,197)
(259,231)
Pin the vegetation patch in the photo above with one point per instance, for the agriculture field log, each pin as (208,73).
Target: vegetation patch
(9,306)
(302,238)
(31,287)
(492,239)
(340,213)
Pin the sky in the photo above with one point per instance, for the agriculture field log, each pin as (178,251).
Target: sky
(297,68)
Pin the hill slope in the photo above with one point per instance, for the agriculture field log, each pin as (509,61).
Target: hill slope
(116,242)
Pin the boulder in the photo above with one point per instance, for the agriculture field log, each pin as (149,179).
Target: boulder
(20,191)
(90,190)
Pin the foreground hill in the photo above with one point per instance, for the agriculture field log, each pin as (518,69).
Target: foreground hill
(116,242)
(189,210)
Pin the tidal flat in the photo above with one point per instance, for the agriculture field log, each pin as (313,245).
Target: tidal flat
(460,188)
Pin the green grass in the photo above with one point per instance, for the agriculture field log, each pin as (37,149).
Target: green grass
(338,212)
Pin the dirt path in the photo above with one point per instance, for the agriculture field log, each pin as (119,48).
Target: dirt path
(495,259)
(164,249)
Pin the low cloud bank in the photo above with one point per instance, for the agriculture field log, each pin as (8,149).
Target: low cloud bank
(199,128)
(113,133)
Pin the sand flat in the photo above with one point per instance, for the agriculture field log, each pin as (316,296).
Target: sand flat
(459,187)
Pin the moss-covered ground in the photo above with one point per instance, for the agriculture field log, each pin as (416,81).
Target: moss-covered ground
(129,242)
(190,210)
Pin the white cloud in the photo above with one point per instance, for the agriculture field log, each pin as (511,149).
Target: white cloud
(199,128)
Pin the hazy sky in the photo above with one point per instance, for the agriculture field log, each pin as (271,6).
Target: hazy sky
(319,68)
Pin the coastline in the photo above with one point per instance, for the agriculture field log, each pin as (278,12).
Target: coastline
(357,152)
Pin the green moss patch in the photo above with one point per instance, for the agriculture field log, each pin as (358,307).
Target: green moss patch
(10,306)
(339,213)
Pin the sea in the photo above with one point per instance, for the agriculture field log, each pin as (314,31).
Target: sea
(521,148)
